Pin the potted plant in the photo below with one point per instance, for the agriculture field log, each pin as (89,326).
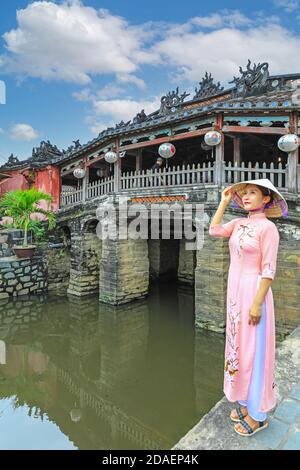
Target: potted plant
(20,205)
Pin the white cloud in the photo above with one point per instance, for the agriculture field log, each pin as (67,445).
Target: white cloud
(226,17)
(123,109)
(71,42)
(126,78)
(222,51)
(288,5)
(1,131)
(107,113)
(23,132)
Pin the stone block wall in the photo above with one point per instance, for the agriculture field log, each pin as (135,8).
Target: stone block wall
(22,276)
(211,284)
(124,271)
(286,285)
(187,264)
(85,258)
(58,262)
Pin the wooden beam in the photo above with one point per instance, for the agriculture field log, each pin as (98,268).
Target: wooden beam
(97,159)
(293,122)
(161,140)
(256,130)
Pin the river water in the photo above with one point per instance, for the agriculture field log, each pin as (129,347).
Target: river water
(83,375)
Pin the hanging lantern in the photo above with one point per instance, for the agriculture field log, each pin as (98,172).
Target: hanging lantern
(288,142)
(79,173)
(110,157)
(212,138)
(167,150)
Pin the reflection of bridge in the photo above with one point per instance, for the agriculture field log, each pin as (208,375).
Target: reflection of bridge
(129,427)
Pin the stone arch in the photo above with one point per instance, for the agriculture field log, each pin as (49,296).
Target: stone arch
(89,224)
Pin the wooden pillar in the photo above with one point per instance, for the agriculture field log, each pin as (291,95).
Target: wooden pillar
(139,159)
(117,169)
(292,160)
(85,179)
(292,171)
(237,151)
(219,153)
(219,162)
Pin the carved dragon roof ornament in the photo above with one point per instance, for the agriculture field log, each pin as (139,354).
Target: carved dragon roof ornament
(122,124)
(252,81)
(172,102)
(12,161)
(140,117)
(45,152)
(207,87)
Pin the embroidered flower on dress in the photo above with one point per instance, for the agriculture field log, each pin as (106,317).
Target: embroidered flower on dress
(232,358)
(244,231)
(268,271)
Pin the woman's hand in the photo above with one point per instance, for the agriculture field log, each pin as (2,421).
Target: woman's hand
(255,314)
(226,195)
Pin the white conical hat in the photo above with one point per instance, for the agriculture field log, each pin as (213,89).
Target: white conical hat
(277,208)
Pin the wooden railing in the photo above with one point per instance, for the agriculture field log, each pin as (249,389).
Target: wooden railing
(69,197)
(235,174)
(187,176)
(100,187)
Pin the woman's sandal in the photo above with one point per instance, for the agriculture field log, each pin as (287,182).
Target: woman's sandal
(240,415)
(250,431)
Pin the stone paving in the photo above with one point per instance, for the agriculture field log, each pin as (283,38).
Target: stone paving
(215,430)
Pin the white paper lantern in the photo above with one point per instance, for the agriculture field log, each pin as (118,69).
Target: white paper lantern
(79,173)
(167,150)
(110,157)
(212,138)
(288,142)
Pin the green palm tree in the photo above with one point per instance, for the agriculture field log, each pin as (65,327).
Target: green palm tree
(21,204)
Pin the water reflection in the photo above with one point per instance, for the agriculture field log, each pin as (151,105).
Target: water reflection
(129,377)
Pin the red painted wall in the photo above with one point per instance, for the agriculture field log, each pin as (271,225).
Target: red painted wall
(46,180)
(16,182)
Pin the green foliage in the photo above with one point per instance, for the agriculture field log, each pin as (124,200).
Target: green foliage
(20,205)
(61,253)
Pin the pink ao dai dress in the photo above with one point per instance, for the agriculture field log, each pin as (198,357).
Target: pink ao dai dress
(250,349)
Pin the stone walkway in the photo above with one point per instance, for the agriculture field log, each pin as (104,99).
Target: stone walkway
(215,430)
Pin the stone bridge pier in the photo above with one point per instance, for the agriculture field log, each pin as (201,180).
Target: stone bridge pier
(124,271)
(85,257)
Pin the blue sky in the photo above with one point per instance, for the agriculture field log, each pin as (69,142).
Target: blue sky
(72,68)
